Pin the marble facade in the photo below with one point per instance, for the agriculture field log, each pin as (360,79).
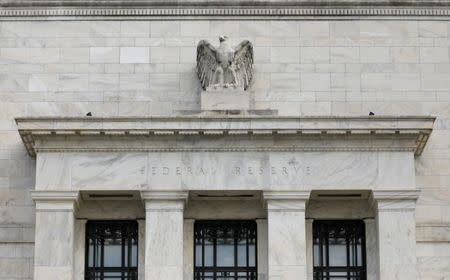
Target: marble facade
(283,175)
(299,133)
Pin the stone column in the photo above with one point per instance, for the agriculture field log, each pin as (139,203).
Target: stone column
(188,250)
(55,234)
(286,234)
(164,234)
(309,249)
(371,249)
(262,249)
(141,250)
(80,249)
(396,229)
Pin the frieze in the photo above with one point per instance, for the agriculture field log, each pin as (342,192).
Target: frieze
(243,170)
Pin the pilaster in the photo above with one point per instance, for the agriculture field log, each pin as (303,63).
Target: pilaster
(286,234)
(55,234)
(188,248)
(396,231)
(262,249)
(164,234)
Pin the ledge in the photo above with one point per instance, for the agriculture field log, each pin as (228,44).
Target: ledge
(215,8)
(228,133)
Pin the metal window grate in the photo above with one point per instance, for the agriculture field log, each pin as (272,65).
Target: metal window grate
(111,250)
(225,250)
(339,250)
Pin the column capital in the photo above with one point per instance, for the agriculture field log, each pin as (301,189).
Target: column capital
(394,200)
(165,195)
(286,200)
(164,201)
(286,195)
(65,201)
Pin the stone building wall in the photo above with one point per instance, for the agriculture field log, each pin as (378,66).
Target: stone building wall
(310,67)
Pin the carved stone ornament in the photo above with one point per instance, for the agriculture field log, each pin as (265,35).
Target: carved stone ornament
(225,66)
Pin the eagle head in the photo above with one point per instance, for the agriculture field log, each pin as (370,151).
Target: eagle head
(223,38)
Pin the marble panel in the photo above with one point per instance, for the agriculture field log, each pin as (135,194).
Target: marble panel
(100,171)
(287,245)
(233,170)
(263,254)
(188,249)
(53,171)
(164,240)
(79,249)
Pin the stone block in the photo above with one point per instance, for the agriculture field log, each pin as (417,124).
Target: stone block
(134,81)
(405,54)
(164,82)
(315,81)
(42,82)
(73,82)
(315,55)
(344,55)
(74,55)
(285,54)
(225,99)
(164,28)
(434,55)
(284,81)
(194,28)
(134,55)
(284,28)
(253,28)
(104,55)
(375,55)
(164,55)
(433,29)
(135,29)
(314,29)
(102,82)
(43,55)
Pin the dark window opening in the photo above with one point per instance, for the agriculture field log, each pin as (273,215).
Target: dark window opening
(111,250)
(339,250)
(225,250)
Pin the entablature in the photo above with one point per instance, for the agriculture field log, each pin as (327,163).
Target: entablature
(225,133)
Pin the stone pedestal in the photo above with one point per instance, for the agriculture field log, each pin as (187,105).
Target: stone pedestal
(396,225)
(286,235)
(55,235)
(164,234)
(225,99)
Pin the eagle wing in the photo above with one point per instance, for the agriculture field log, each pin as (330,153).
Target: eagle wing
(243,63)
(206,62)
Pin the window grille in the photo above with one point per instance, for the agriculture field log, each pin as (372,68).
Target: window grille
(111,250)
(225,250)
(339,250)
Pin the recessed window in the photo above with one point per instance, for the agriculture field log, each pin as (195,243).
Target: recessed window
(339,250)
(111,250)
(225,250)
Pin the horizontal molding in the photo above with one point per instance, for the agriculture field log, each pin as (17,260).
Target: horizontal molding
(222,3)
(86,9)
(248,133)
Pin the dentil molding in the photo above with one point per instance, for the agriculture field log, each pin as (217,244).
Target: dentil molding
(87,9)
(216,133)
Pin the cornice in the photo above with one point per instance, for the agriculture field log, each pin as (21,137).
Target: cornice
(90,9)
(167,134)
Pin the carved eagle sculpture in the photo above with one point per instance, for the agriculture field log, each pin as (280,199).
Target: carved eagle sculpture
(225,67)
